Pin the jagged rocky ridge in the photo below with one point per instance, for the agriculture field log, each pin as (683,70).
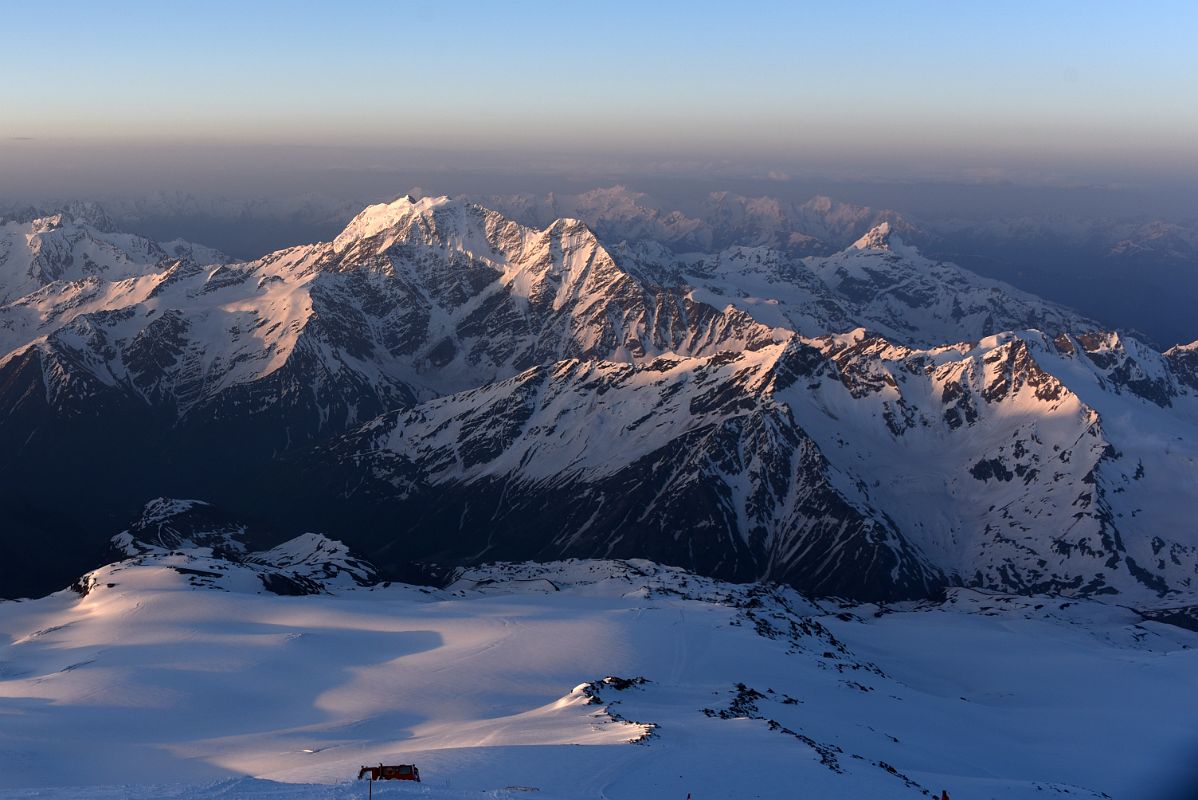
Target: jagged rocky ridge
(843,465)
(440,382)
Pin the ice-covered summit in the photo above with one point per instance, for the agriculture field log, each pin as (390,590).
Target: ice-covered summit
(397,216)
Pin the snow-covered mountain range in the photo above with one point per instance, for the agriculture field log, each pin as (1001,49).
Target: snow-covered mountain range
(1135,270)
(441,382)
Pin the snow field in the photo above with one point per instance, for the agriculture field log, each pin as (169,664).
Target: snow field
(155,688)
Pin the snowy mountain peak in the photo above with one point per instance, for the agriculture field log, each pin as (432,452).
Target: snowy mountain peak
(1183,359)
(821,203)
(51,217)
(46,224)
(399,216)
(314,555)
(76,252)
(879,237)
(210,548)
(570,225)
(168,524)
(454,224)
(160,509)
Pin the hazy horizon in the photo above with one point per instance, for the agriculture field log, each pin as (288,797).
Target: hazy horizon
(1072,94)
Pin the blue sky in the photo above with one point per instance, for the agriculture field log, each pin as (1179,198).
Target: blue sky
(976,83)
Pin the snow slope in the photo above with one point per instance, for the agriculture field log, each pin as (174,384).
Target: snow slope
(157,685)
